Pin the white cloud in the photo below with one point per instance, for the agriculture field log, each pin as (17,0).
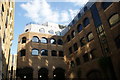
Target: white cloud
(40,11)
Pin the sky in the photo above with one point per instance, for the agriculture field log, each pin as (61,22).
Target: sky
(41,11)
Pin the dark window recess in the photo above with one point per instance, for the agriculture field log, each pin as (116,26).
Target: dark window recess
(79,28)
(6,23)
(83,41)
(105,5)
(117,41)
(44,40)
(60,42)
(79,15)
(68,38)
(61,54)
(95,15)
(72,64)
(23,40)
(4,37)
(73,34)
(90,36)
(2,8)
(70,50)
(35,52)
(44,52)
(54,53)
(86,57)
(86,22)
(26,30)
(22,52)
(93,54)
(75,47)
(85,8)
(77,61)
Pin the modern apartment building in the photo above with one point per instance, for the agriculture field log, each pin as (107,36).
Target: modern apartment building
(6,34)
(89,48)
(40,52)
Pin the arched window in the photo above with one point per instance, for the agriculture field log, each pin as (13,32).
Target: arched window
(44,40)
(26,30)
(83,41)
(22,52)
(35,39)
(73,34)
(35,52)
(68,38)
(105,5)
(117,41)
(52,41)
(93,54)
(79,15)
(85,8)
(86,57)
(70,50)
(77,61)
(90,36)
(86,22)
(42,30)
(44,52)
(79,28)
(60,42)
(114,19)
(51,31)
(54,53)
(61,54)
(24,40)
(75,47)
(58,33)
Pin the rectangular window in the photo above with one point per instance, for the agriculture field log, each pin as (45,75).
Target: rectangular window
(117,42)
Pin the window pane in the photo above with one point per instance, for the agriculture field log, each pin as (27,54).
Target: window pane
(44,52)
(24,40)
(86,22)
(35,39)
(73,34)
(86,57)
(60,42)
(53,41)
(114,19)
(61,54)
(35,52)
(90,36)
(79,28)
(72,64)
(43,40)
(68,38)
(83,42)
(51,31)
(54,53)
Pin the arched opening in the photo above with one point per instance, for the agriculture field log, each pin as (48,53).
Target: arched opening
(44,52)
(86,22)
(44,40)
(90,36)
(43,74)
(68,38)
(25,73)
(42,30)
(35,39)
(73,34)
(60,42)
(105,5)
(23,40)
(94,75)
(59,74)
(52,41)
(35,52)
(79,28)
(54,53)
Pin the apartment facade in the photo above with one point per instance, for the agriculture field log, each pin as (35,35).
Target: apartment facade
(40,53)
(6,34)
(92,45)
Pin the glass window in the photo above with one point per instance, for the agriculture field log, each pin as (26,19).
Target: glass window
(105,5)
(79,28)
(86,22)
(68,38)
(114,19)
(61,54)
(83,41)
(70,50)
(86,57)
(22,52)
(72,64)
(77,61)
(79,15)
(85,8)
(60,42)
(58,33)
(54,53)
(44,40)
(2,8)
(44,52)
(42,30)
(35,52)
(117,41)
(90,36)
(75,47)
(26,30)
(93,54)
(52,41)
(24,40)
(73,34)
(51,31)
(35,39)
